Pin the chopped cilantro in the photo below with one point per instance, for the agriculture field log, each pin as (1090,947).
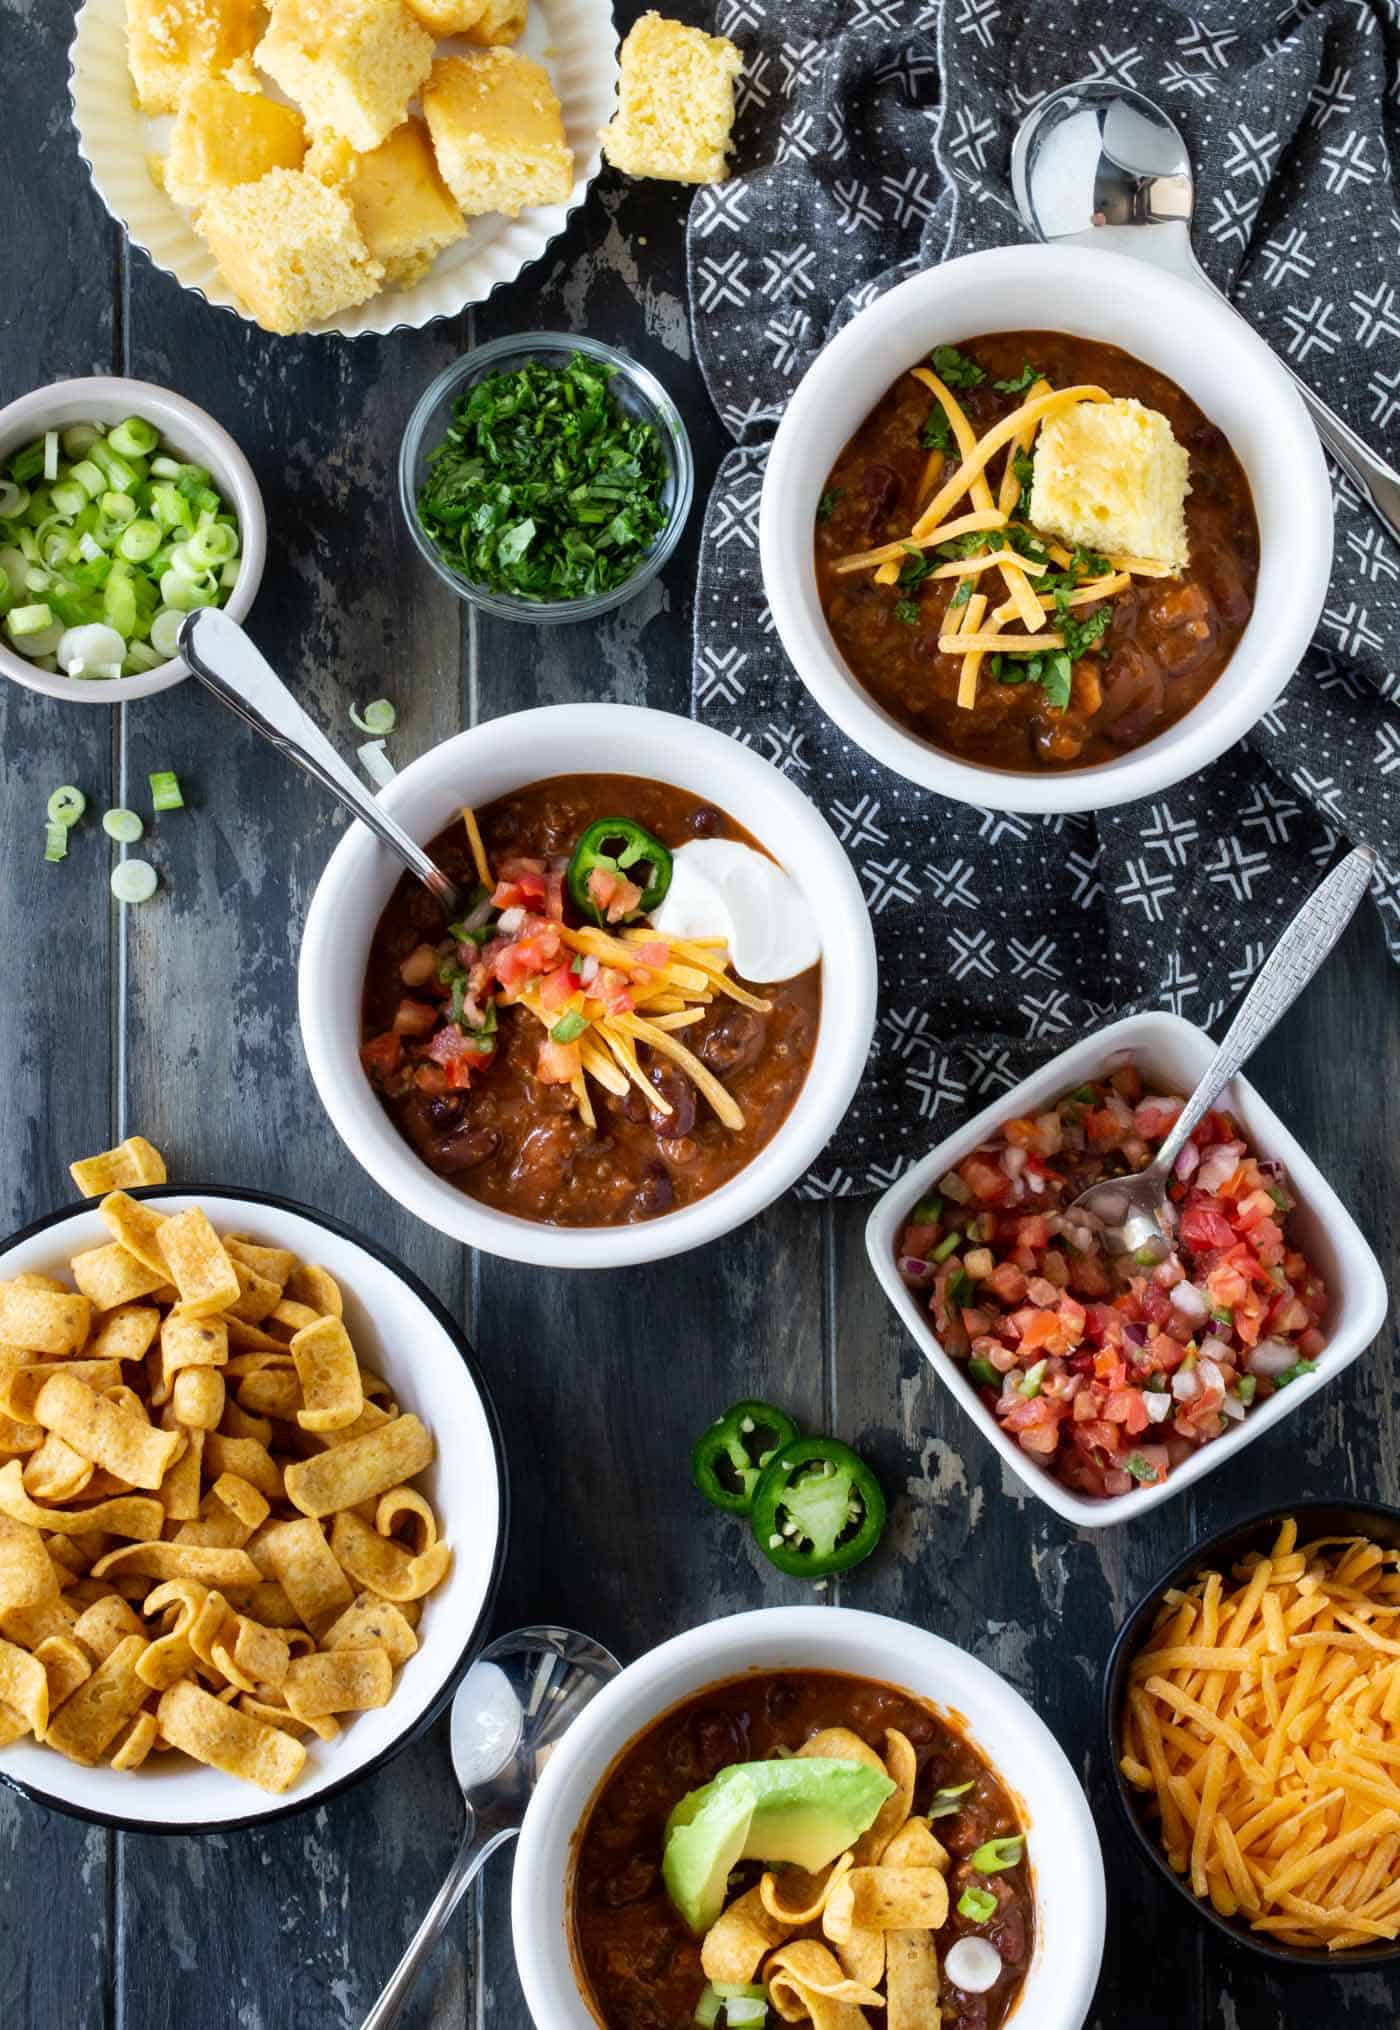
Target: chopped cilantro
(960,1291)
(1029,546)
(1055,681)
(1011,669)
(1141,1469)
(1088,563)
(543,486)
(1023,465)
(937,433)
(907,610)
(1080,635)
(955,368)
(1052,672)
(914,570)
(962,595)
(826,506)
(1022,381)
(965,546)
(1297,1372)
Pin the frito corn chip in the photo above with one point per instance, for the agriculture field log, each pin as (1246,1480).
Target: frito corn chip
(132,1162)
(370,1419)
(56,1472)
(402,1502)
(280,1716)
(348,1681)
(42,1321)
(361,1469)
(272,1392)
(288,1318)
(229,1740)
(112,1275)
(24,1687)
(236,1423)
(66,1666)
(112,1437)
(198,1264)
(329,1375)
(798,1899)
(197,1397)
(316,1288)
(135,1743)
(27,1577)
(251,1656)
(212,1567)
(191,1342)
(740,1938)
(804,1975)
(137,1226)
(273,1264)
(29,1626)
(902,1765)
(173,1655)
(257,1295)
(914,1846)
(268,1603)
(383,1566)
(90,1720)
(245,1457)
(252,1339)
(911,1980)
(12,1726)
(228,1515)
(298,1557)
(179,1491)
(19,1438)
(886,1899)
(125,1515)
(105,1625)
(369,1621)
(125,1333)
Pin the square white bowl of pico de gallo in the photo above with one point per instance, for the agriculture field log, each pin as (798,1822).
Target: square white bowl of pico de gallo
(1110,1385)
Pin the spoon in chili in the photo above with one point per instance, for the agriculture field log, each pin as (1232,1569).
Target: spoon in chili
(1129,1209)
(1098,164)
(225,661)
(516,1702)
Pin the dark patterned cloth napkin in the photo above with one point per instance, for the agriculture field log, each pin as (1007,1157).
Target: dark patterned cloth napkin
(874,138)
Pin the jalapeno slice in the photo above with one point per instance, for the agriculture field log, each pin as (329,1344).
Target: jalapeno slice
(729,1458)
(817,1508)
(624,851)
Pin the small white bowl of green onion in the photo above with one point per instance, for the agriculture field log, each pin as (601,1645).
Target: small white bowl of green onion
(122,508)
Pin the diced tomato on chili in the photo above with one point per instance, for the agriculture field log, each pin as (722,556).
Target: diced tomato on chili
(614,894)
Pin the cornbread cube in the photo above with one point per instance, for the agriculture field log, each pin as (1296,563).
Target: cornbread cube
(447,17)
(351,65)
(401,204)
(169,43)
(675,103)
(500,21)
(1111,475)
(497,132)
(289,248)
(223,136)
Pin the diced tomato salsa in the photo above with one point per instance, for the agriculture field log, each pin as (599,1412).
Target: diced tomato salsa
(1113,1371)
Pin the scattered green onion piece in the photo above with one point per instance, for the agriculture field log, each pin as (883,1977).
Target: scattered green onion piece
(1246,1388)
(945,1247)
(378,719)
(165,631)
(927,1211)
(376,763)
(134,438)
(122,825)
(23,620)
(984,1373)
(89,477)
(707,2009)
(78,438)
(134,881)
(66,805)
(51,454)
(165,468)
(165,791)
(13,500)
(741,1991)
(568,1028)
(977,1905)
(950,1799)
(995,1855)
(1033,1377)
(1299,1369)
(55,842)
(745,2012)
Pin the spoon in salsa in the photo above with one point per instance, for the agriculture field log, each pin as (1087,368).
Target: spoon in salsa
(225,661)
(1096,164)
(516,1702)
(1129,1209)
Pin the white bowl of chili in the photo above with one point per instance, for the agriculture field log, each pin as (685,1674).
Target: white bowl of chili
(1066,1867)
(1170,329)
(570,743)
(1171,1054)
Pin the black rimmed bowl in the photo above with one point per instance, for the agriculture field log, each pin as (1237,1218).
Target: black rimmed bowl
(402,1332)
(1376,1520)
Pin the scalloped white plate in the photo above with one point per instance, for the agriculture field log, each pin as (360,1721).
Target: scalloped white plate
(575,41)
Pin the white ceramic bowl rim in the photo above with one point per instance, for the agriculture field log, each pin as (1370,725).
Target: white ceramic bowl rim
(504,753)
(272,1202)
(110,397)
(997,1719)
(1181,330)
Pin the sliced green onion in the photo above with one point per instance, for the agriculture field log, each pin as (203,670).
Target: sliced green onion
(376,763)
(134,881)
(950,1799)
(1299,1369)
(995,1855)
(568,1028)
(165,631)
(945,1247)
(745,2012)
(986,1375)
(708,2007)
(78,438)
(165,468)
(741,1991)
(66,805)
(165,791)
(1031,1380)
(55,842)
(1245,1389)
(51,454)
(22,620)
(977,1905)
(379,718)
(134,438)
(13,500)
(68,497)
(141,656)
(122,825)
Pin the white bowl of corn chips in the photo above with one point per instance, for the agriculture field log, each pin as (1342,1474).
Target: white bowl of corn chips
(357,233)
(235,1575)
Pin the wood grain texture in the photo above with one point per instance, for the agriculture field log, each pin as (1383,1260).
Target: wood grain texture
(181,1022)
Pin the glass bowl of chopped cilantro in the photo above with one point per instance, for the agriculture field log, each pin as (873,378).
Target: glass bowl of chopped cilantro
(546,477)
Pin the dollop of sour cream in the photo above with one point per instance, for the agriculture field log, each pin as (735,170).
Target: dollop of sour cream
(720,888)
(972,1964)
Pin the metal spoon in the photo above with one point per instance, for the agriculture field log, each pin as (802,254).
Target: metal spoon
(1096,164)
(1130,1208)
(515,1704)
(225,661)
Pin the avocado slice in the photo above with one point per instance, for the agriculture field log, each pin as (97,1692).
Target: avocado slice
(805,1809)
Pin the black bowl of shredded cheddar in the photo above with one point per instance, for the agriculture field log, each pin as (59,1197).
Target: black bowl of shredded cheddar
(546,477)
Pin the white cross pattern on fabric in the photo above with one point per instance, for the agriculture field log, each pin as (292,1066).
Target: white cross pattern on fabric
(784,744)
(1083,869)
(1252,155)
(1163,833)
(1384,390)
(994,826)
(995,1071)
(1250,960)
(1283,257)
(1146,889)
(935,1087)
(1114,66)
(954,886)
(1311,329)
(1049,1016)
(722,281)
(1353,629)
(1209,47)
(1375,559)
(855,207)
(717,676)
(1237,868)
(912,195)
(1030,956)
(1177,985)
(1270,812)
(789,334)
(751,88)
(801,62)
(971,951)
(1332,96)
(1233,213)
(789,271)
(736,519)
(1347,163)
(1388,749)
(1376,315)
(1323,789)
(719,204)
(976,18)
(1176,78)
(971,137)
(855,823)
(887,881)
(908,1027)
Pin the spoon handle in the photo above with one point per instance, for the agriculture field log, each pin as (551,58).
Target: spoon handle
(1282,977)
(471,1856)
(225,661)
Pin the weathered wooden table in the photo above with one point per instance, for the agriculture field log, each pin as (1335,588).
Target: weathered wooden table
(179,1020)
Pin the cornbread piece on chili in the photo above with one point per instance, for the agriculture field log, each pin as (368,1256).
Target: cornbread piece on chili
(224,137)
(401,204)
(1111,475)
(499,21)
(170,43)
(498,132)
(289,248)
(675,103)
(351,65)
